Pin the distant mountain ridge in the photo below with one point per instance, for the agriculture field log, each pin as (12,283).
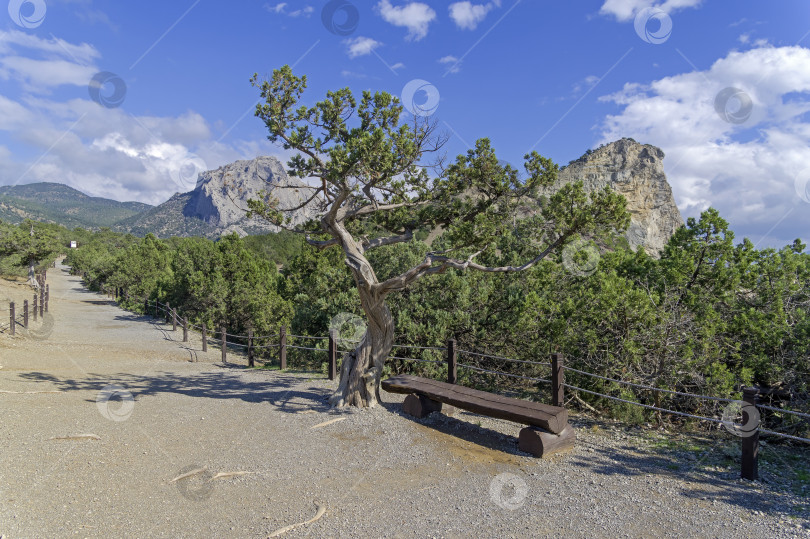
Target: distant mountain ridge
(63,205)
(217,204)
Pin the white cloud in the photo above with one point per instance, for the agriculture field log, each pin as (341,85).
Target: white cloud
(278,8)
(50,48)
(281,9)
(467,15)
(41,75)
(100,151)
(455,65)
(306,12)
(625,10)
(361,46)
(398,65)
(746,170)
(415,16)
(585,84)
(40,65)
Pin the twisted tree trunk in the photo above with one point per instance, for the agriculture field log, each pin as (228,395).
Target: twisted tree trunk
(362,367)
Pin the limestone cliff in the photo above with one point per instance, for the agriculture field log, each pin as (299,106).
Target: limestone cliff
(217,204)
(637,172)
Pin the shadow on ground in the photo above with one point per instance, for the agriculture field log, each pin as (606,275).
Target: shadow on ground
(289,393)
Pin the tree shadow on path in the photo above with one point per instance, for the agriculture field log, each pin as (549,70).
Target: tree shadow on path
(289,393)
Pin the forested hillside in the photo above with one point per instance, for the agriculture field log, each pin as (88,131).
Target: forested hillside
(62,205)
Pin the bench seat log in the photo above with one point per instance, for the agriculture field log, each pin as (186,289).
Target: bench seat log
(550,418)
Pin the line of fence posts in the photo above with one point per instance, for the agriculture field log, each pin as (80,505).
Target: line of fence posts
(750,442)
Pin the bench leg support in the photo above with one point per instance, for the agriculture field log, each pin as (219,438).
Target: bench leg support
(541,443)
(419,406)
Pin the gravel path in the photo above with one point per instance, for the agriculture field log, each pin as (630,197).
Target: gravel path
(377,473)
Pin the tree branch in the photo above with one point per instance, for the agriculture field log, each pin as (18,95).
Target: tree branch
(379,242)
(427,267)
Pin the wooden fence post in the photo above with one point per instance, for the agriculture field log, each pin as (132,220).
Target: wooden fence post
(185,329)
(750,438)
(204,338)
(42,303)
(13,317)
(47,296)
(25,314)
(224,345)
(251,362)
(35,307)
(168,312)
(332,355)
(174,319)
(557,380)
(282,348)
(452,356)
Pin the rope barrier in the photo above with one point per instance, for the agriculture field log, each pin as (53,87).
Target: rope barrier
(307,348)
(788,436)
(305,336)
(544,364)
(649,406)
(419,347)
(800,414)
(649,387)
(503,373)
(419,360)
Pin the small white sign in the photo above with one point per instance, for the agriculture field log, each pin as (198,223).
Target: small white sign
(72,244)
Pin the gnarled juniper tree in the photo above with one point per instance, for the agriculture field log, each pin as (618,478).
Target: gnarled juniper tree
(370,184)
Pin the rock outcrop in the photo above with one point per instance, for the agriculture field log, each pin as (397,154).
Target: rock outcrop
(218,203)
(637,172)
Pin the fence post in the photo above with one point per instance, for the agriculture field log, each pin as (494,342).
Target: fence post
(35,307)
(185,329)
(204,338)
(452,370)
(251,362)
(47,296)
(557,380)
(224,345)
(174,319)
(168,311)
(42,302)
(750,439)
(25,314)
(12,316)
(332,355)
(282,348)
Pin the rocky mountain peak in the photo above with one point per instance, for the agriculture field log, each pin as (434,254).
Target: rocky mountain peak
(221,195)
(636,171)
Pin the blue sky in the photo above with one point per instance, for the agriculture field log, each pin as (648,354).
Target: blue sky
(173,93)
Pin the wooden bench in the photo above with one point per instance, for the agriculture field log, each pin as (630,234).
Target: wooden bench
(548,430)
